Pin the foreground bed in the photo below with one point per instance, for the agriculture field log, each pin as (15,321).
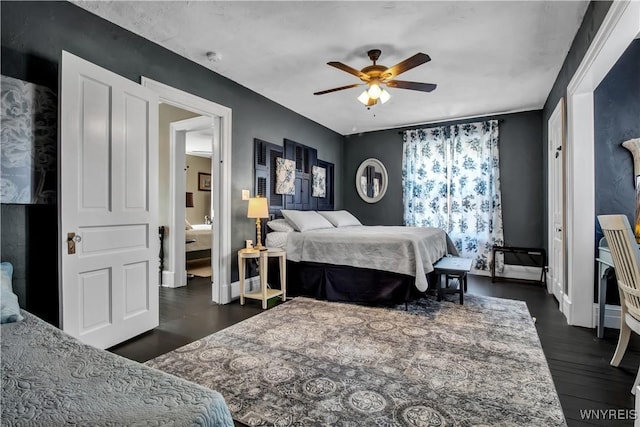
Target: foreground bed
(52,379)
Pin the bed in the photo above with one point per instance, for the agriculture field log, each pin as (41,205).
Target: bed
(198,241)
(199,238)
(52,379)
(376,264)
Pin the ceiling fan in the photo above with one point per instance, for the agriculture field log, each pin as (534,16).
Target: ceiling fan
(377,76)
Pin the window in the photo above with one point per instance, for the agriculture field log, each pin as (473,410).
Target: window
(451,180)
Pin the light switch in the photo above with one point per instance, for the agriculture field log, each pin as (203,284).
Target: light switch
(245,195)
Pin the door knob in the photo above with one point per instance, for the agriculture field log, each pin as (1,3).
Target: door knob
(72,239)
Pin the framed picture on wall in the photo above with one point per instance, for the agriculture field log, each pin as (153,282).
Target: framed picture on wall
(204,181)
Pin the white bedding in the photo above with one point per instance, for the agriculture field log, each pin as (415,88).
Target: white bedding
(201,234)
(405,250)
(277,239)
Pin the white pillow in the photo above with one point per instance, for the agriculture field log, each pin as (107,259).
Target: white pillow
(305,220)
(280,225)
(340,218)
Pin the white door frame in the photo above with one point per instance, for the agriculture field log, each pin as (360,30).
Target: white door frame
(221,195)
(619,28)
(555,181)
(175,275)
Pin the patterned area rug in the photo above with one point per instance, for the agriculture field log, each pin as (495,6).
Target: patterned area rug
(309,362)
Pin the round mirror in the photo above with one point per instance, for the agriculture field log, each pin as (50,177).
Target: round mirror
(371,180)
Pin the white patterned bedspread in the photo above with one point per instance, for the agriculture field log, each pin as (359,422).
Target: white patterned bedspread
(405,250)
(51,379)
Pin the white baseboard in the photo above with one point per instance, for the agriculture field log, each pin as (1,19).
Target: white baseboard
(480,273)
(566,309)
(250,285)
(611,315)
(522,272)
(225,294)
(169,280)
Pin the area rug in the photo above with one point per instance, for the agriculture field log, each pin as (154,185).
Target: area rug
(309,362)
(200,267)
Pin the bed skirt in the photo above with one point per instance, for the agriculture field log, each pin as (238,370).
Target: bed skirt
(204,253)
(343,283)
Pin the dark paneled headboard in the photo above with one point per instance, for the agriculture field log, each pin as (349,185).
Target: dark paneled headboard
(264,158)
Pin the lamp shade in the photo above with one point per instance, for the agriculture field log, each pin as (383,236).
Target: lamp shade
(364,97)
(189,200)
(258,208)
(374,90)
(384,96)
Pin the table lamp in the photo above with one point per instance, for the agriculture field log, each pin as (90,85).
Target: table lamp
(257,209)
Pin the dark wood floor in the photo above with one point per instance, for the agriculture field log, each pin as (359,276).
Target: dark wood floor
(579,362)
(186,314)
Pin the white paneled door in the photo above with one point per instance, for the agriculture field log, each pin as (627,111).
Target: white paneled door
(108,204)
(556,203)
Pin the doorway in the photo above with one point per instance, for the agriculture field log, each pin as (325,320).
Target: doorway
(192,145)
(619,28)
(193,203)
(206,115)
(199,211)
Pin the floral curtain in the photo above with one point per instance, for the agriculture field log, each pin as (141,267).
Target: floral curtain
(451,180)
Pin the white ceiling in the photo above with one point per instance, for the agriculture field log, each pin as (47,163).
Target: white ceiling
(487,57)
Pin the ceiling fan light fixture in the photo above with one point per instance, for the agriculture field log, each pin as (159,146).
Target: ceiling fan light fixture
(364,97)
(384,96)
(374,90)
(377,77)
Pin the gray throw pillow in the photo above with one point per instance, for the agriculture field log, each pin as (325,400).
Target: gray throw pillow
(9,308)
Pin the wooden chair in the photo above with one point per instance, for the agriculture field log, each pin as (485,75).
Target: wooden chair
(626,262)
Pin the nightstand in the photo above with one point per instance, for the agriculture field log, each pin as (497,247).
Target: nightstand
(265,293)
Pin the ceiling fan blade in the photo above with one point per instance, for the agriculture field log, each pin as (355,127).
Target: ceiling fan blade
(406,65)
(350,70)
(401,84)
(337,89)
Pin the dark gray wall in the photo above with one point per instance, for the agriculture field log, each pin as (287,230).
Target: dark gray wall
(33,37)
(596,11)
(29,243)
(616,104)
(520,175)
